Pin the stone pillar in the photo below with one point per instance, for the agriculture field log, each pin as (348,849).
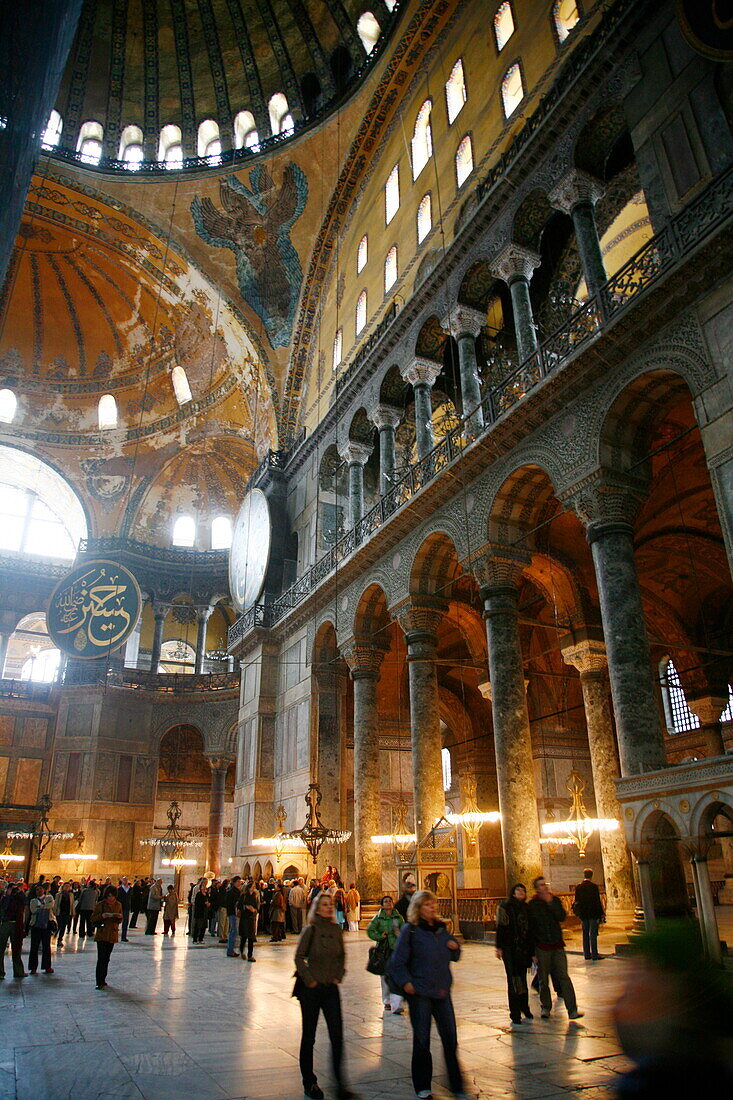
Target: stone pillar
(706,909)
(577,195)
(203,614)
(386,418)
(328,677)
(514,265)
(589,657)
(356,456)
(465,326)
(647,895)
(607,504)
(497,577)
(421,374)
(708,708)
(364,658)
(215,836)
(420,618)
(160,610)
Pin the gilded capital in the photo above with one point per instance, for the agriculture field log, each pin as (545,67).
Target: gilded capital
(385,416)
(515,262)
(574,189)
(463,321)
(421,371)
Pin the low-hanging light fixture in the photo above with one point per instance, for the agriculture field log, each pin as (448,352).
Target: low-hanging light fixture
(173,842)
(8,856)
(79,856)
(470,817)
(278,843)
(401,839)
(578,828)
(314,834)
(41,834)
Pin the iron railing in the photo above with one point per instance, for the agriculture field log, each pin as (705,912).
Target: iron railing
(34,567)
(25,689)
(177,556)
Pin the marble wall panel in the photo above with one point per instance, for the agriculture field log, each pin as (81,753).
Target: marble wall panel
(35,731)
(119,841)
(79,720)
(4,765)
(27,778)
(146,770)
(7,722)
(104,776)
(58,776)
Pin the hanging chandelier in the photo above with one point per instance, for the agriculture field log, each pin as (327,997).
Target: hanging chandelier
(314,833)
(79,856)
(173,842)
(280,842)
(8,856)
(578,828)
(401,839)
(41,835)
(470,817)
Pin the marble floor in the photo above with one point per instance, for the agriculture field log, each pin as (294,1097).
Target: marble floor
(180,1021)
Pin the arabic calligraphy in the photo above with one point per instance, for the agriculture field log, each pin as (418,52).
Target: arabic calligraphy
(94,609)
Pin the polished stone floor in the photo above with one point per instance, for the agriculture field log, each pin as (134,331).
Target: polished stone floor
(179,1021)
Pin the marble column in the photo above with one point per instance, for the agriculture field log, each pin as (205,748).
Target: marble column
(215,836)
(356,456)
(706,909)
(364,658)
(203,614)
(647,894)
(160,611)
(514,765)
(577,195)
(4,639)
(421,374)
(708,709)
(589,657)
(515,265)
(420,618)
(386,419)
(465,326)
(328,680)
(607,504)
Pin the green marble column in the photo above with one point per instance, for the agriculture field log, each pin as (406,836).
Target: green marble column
(515,266)
(421,374)
(577,195)
(386,419)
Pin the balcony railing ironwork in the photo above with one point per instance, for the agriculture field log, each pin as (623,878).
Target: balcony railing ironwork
(181,557)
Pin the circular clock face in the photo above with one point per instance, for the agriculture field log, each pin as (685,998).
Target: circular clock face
(250,552)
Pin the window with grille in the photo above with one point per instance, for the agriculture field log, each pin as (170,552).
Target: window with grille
(455,91)
(464,160)
(503,25)
(390,268)
(680,718)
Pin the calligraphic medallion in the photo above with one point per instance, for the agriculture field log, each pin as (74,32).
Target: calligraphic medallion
(94,609)
(708,26)
(249,555)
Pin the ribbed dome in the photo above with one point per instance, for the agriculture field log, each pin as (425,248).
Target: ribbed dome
(199,72)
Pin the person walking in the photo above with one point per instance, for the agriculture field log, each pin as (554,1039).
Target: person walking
(76,891)
(41,908)
(297,903)
(385,925)
(136,902)
(153,905)
(589,908)
(124,891)
(233,895)
(320,963)
(353,903)
(223,921)
(339,901)
(12,918)
(515,949)
(170,911)
(88,898)
(277,914)
(420,965)
(200,912)
(106,918)
(546,914)
(403,902)
(249,909)
(63,908)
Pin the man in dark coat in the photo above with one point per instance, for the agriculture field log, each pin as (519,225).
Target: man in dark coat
(546,914)
(124,897)
(403,902)
(233,896)
(589,907)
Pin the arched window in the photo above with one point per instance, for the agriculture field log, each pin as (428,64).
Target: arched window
(390,268)
(221,533)
(176,655)
(455,91)
(392,194)
(424,218)
(361,312)
(338,348)
(41,667)
(503,25)
(727,715)
(368,30)
(8,406)
(464,160)
(280,118)
(209,141)
(680,718)
(170,147)
(90,140)
(447,769)
(422,139)
(181,387)
(39,511)
(107,412)
(362,254)
(131,147)
(565,16)
(184,531)
(52,133)
(31,654)
(512,89)
(245,131)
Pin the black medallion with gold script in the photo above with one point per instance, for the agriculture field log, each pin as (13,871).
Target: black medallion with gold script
(708,26)
(94,609)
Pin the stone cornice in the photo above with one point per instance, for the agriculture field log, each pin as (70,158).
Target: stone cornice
(704,773)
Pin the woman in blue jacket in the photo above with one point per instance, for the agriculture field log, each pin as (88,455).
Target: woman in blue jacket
(420,965)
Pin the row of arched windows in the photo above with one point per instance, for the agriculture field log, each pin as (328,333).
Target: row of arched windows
(184,532)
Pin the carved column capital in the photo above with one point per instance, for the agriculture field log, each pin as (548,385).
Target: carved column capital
(160,610)
(203,613)
(364,656)
(220,761)
(515,262)
(574,189)
(605,497)
(419,617)
(498,566)
(329,676)
(463,321)
(385,416)
(708,708)
(419,371)
(589,657)
(355,453)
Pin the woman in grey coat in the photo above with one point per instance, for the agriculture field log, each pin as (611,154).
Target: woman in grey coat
(153,906)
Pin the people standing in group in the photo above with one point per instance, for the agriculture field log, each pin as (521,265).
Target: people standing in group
(153,905)
(353,905)
(588,907)
(12,918)
(170,911)
(106,918)
(233,895)
(200,912)
(277,914)
(63,907)
(249,910)
(385,925)
(420,965)
(546,914)
(88,897)
(320,964)
(515,949)
(124,891)
(41,917)
(297,903)
(408,890)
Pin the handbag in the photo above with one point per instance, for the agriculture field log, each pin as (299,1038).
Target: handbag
(379,957)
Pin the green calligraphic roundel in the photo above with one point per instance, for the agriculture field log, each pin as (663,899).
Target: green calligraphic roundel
(708,26)
(94,609)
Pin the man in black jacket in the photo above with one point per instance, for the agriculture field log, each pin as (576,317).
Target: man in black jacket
(403,902)
(589,907)
(233,895)
(546,913)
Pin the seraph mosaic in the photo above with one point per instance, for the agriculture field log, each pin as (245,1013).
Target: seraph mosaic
(256,225)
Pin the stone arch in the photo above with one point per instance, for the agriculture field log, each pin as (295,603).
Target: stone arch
(524,499)
(430,340)
(662,831)
(324,647)
(544,453)
(361,429)
(246,870)
(393,390)
(559,585)
(598,140)
(371,616)
(257,871)
(530,219)
(435,566)
(706,809)
(269,871)
(181,755)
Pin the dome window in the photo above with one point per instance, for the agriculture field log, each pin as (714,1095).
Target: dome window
(221,533)
(361,312)
(338,349)
(184,531)
(209,141)
(455,92)
(362,254)
(181,387)
(392,194)
(422,139)
(464,160)
(281,120)
(245,131)
(170,147)
(503,25)
(512,89)
(131,148)
(90,140)
(52,133)
(368,30)
(8,406)
(390,269)
(565,16)
(107,412)
(424,218)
